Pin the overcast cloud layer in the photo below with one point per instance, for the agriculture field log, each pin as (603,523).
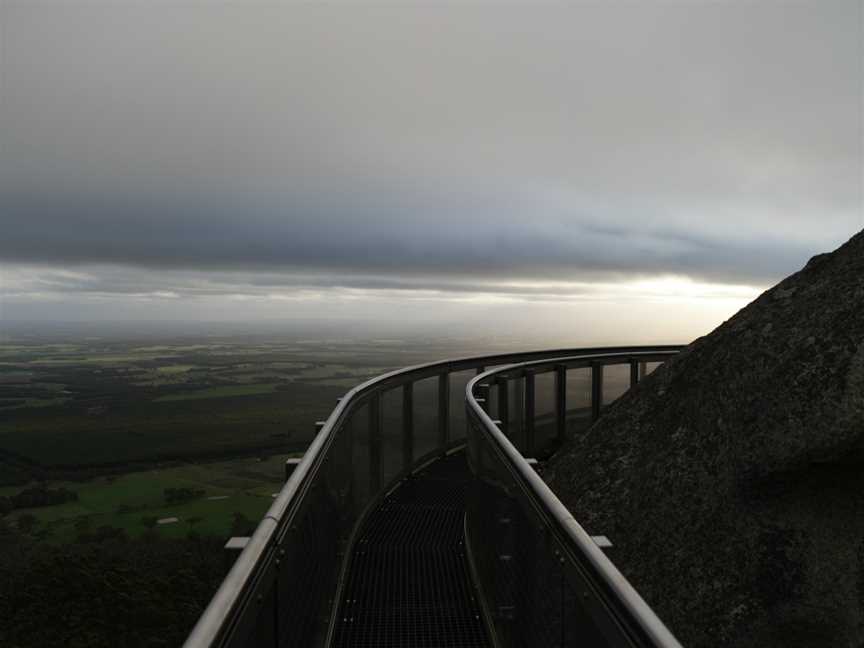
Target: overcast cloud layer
(494,149)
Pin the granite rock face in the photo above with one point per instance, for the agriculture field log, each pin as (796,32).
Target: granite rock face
(731,480)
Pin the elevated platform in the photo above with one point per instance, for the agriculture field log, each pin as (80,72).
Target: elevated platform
(354,553)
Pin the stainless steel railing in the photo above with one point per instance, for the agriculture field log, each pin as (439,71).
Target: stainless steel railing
(543,579)
(283,588)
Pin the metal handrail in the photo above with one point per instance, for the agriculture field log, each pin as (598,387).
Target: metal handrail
(222,615)
(630,612)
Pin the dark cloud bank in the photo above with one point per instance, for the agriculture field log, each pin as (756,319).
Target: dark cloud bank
(429,147)
(503,244)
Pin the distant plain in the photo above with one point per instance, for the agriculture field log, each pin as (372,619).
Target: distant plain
(120,422)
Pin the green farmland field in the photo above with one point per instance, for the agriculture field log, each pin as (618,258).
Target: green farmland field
(228,391)
(242,486)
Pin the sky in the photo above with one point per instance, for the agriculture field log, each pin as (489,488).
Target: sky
(602,172)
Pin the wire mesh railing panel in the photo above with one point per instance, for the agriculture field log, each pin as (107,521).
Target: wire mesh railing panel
(458,381)
(306,569)
(426,427)
(527,593)
(578,401)
(650,367)
(393,460)
(545,433)
(357,427)
(543,579)
(516,411)
(616,381)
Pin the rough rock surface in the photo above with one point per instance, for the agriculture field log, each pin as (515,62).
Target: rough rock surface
(731,480)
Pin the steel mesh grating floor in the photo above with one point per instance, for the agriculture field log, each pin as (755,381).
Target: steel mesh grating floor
(408,581)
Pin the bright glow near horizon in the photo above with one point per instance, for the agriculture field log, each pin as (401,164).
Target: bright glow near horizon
(661,309)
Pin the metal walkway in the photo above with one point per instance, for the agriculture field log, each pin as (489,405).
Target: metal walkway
(408,582)
(365,543)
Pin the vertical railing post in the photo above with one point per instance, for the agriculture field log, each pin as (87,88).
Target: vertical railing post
(503,404)
(407,425)
(596,390)
(634,373)
(443,410)
(643,370)
(375,425)
(483,396)
(530,404)
(561,401)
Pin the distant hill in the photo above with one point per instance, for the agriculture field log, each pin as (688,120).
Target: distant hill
(731,481)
